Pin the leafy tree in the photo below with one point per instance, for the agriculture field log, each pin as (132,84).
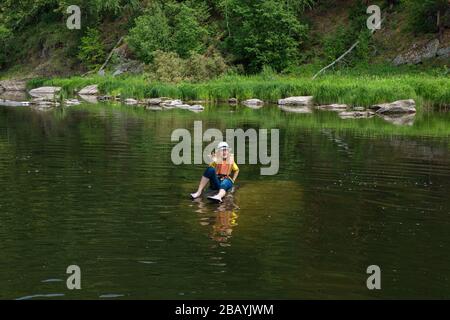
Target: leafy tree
(91,51)
(5,34)
(21,13)
(174,27)
(362,51)
(300,5)
(99,8)
(188,34)
(263,33)
(392,3)
(336,43)
(30,22)
(429,15)
(151,33)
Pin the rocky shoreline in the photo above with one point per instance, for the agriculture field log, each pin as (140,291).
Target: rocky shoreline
(400,112)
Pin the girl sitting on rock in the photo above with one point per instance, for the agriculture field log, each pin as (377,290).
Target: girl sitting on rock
(218,174)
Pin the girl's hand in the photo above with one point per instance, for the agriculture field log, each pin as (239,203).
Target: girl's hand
(213,156)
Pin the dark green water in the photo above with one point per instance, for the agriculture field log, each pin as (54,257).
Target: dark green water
(95,186)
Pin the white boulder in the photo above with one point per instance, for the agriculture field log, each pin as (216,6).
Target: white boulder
(47,92)
(91,90)
(396,107)
(253,103)
(296,101)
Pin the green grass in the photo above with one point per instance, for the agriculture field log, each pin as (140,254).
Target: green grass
(355,90)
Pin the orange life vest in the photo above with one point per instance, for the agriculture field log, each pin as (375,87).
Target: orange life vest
(224,169)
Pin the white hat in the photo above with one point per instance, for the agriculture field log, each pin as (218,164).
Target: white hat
(223,145)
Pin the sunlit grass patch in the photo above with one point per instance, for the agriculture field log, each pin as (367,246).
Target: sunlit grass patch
(353,90)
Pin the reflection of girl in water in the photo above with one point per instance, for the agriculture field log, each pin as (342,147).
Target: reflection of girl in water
(223,221)
(223,227)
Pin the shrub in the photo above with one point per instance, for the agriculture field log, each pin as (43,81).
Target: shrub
(424,14)
(4,41)
(188,34)
(91,51)
(166,67)
(203,67)
(151,33)
(269,35)
(170,67)
(336,44)
(175,27)
(362,51)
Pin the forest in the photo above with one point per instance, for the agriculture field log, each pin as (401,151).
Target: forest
(222,49)
(197,40)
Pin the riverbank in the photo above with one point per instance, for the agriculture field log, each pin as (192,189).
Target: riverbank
(366,90)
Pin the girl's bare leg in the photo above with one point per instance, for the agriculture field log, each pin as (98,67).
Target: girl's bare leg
(222,193)
(203,183)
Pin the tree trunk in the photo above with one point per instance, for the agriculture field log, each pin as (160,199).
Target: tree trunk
(111,53)
(440,26)
(345,53)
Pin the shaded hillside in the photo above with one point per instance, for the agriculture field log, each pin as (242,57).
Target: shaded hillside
(174,39)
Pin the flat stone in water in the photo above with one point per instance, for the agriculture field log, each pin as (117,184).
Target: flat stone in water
(89,90)
(396,107)
(8,103)
(131,102)
(52,280)
(172,103)
(154,101)
(333,107)
(296,101)
(111,296)
(253,103)
(356,115)
(47,92)
(50,295)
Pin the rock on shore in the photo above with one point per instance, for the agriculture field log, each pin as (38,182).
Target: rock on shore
(418,53)
(12,85)
(47,92)
(296,101)
(333,107)
(396,107)
(131,102)
(252,103)
(91,90)
(356,115)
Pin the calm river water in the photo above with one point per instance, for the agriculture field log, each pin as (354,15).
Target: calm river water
(94,186)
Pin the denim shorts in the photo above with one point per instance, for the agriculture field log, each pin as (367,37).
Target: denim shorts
(215,182)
